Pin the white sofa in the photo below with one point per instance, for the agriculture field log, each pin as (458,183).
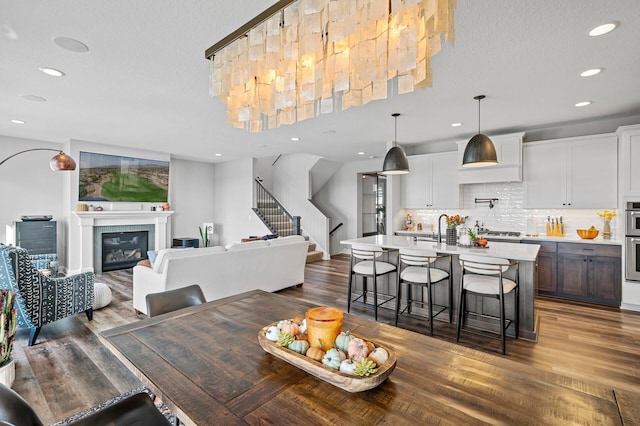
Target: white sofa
(220,272)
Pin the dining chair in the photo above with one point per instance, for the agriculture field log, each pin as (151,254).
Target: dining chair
(366,262)
(172,300)
(137,409)
(485,277)
(417,268)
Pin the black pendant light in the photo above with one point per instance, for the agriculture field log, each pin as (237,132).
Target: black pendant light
(395,162)
(480,151)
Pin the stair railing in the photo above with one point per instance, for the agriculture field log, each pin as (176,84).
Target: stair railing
(268,206)
(335,229)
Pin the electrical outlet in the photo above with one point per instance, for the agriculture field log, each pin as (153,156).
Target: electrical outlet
(208,226)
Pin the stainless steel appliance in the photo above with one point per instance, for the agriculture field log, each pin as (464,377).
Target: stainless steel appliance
(632,214)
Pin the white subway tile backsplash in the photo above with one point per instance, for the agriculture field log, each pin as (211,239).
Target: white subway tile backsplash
(508,213)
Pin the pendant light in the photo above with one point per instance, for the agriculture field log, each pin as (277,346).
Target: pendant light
(395,162)
(480,151)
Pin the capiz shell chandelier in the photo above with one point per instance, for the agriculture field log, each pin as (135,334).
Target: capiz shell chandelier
(302,58)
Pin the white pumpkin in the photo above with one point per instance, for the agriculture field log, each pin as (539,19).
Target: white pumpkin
(303,326)
(379,356)
(348,366)
(272,333)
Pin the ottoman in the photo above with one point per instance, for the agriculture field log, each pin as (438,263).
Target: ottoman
(102,295)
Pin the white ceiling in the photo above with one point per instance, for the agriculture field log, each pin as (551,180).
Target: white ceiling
(144,82)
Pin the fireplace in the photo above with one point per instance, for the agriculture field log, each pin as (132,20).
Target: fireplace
(122,250)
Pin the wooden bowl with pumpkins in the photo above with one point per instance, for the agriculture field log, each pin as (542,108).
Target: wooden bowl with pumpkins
(353,363)
(587,234)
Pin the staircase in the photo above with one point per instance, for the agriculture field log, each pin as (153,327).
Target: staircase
(314,255)
(274,217)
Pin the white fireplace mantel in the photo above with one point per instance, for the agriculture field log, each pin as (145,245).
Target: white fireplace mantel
(86,221)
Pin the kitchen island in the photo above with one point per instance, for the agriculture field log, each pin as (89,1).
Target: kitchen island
(525,254)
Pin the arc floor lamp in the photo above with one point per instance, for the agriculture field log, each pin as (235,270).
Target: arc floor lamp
(60,162)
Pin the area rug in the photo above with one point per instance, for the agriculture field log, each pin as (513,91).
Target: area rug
(158,403)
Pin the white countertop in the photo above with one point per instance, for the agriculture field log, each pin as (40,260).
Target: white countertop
(513,251)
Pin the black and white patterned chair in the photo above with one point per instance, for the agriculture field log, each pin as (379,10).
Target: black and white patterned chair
(40,299)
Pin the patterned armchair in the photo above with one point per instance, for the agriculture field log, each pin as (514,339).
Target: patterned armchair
(41,299)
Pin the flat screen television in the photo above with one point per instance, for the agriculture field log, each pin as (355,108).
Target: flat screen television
(114,178)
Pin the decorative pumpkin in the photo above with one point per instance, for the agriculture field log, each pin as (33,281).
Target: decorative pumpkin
(285,339)
(365,367)
(316,353)
(300,346)
(303,326)
(272,333)
(379,356)
(282,322)
(297,320)
(301,336)
(332,359)
(342,341)
(357,349)
(348,366)
(291,327)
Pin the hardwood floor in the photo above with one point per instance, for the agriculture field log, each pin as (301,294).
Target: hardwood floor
(69,370)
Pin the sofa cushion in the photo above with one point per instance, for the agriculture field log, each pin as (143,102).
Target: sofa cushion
(286,240)
(158,264)
(249,245)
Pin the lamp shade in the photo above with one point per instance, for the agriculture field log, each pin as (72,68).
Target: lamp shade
(62,162)
(479,152)
(395,162)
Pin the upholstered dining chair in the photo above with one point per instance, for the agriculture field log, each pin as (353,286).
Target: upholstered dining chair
(41,299)
(485,277)
(172,300)
(366,261)
(137,410)
(417,268)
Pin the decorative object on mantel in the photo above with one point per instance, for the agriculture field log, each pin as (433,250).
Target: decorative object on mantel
(59,163)
(607,215)
(395,162)
(480,151)
(82,207)
(8,326)
(301,58)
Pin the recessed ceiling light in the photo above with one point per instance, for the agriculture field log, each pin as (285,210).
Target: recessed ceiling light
(33,98)
(584,103)
(18,122)
(592,71)
(52,72)
(372,157)
(328,131)
(295,139)
(603,29)
(361,153)
(218,154)
(456,124)
(70,44)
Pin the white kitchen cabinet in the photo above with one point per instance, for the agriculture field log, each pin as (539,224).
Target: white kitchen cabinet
(629,160)
(432,182)
(578,172)
(509,167)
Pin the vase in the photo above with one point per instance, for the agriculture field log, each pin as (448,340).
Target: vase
(8,373)
(606,229)
(451,236)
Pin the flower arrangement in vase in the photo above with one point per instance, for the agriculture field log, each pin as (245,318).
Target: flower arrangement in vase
(607,215)
(454,221)
(451,236)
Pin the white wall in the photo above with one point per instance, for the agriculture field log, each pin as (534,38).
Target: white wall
(339,198)
(29,186)
(233,189)
(192,197)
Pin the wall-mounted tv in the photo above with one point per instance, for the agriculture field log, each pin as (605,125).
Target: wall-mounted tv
(122,179)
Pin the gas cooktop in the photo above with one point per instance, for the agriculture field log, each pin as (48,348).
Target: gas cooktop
(501,233)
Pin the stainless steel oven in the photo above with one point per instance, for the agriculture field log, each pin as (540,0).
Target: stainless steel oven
(632,232)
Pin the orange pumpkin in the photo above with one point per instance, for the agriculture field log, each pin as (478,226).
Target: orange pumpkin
(316,353)
(292,328)
(358,349)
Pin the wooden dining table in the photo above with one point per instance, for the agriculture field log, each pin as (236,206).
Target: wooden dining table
(207,366)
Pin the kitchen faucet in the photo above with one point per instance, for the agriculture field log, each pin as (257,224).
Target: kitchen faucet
(439,229)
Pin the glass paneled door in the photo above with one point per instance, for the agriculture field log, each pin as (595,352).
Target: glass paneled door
(374,191)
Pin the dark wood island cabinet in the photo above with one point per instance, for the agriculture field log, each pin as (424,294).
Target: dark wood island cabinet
(580,271)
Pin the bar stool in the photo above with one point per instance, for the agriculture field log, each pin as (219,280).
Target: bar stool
(365,261)
(484,277)
(416,268)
